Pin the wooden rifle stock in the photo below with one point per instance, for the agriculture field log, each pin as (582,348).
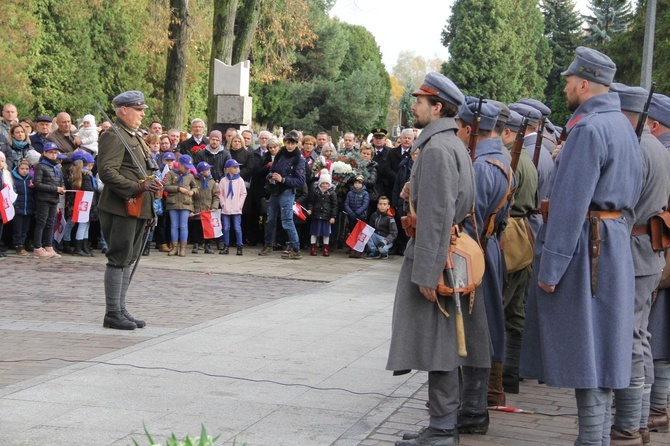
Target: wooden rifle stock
(518,143)
(538,141)
(472,143)
(642,120)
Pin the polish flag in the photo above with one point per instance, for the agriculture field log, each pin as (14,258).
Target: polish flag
(82,206)
(6,204)
(59,227)
(211,224)
(297,210)
(359,236)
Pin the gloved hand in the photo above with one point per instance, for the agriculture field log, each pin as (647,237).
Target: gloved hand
(151,185)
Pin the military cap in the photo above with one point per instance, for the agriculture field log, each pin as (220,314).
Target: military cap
(537,105)
(591,65)
(488,116)
(659,110)
(379,132)
(504,110)
(44,118)
(514,121)
(558,130)
(632,98)
(436,84)
(51,146)
(549,127)
(169,156)
(293,135)
(132,98)
(531,113)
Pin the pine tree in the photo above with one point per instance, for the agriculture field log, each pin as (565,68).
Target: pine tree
(609,17)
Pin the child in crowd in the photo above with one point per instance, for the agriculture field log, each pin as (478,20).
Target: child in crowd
(232,193)
(24,206)
(356,206)
(49,185)
(206,200)
(385,230)
(322,207)
(5,181)
(81,178)
(88,134)
(160,233)
(180,186)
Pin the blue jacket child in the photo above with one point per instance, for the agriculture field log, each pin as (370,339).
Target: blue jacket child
(23,186)
(357,201)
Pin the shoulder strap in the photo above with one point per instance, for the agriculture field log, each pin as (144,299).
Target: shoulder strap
(490,222)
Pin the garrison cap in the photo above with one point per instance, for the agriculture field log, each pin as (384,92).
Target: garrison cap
(44,118)
(504,110)
(659,110)
(531,113)
(379,132)
(632,99)
(131,98)
(436,84)
(488,116)
(537,105)
(514,121)
(591,65)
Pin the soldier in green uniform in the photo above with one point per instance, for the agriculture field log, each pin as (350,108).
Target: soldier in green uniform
(125,203)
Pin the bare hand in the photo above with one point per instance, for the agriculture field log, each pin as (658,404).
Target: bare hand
(332,221)
(428,293)
(60,190)
(546,288)
(404,194)
(277,177)
(309,212)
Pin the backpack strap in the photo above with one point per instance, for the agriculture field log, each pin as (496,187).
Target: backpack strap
(490,222)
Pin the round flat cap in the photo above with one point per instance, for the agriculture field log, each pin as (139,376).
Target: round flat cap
(488,116)
(531,113)
(591,65)
(537,105)
(44,118)
(131,98)
(659,110)
(436,84)
(632,99)
(514,121)
(504,110)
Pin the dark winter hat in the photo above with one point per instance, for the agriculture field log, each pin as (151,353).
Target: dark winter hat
(488,116)
(293,135)
(591,65)
(537,105)
(531,113)
(632,99)
(232,163)
(187,161)
(436,84)
(514,121)
(168,156)
(659,110)
(132,98)
(50,146)
(203,165)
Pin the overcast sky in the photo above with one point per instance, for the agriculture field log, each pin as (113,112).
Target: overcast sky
(401,25)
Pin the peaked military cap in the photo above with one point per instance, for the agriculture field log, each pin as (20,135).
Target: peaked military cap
(659,110)
(379,132)
(436,84)
(514,121)
(504,110)
(537,105)
(531,113)
(591,65)
(131,98)
(488,116)
(632,98)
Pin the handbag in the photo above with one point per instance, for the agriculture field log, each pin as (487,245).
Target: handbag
(518,244)
(134,206)
(408,222)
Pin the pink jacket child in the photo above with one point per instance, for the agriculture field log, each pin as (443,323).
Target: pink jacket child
(232,193)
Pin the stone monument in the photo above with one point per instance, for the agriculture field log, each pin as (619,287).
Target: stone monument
(233,103)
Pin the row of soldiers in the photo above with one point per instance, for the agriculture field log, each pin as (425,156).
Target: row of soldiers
(569,295)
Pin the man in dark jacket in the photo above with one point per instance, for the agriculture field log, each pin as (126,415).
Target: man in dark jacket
(214,154)
(197,141)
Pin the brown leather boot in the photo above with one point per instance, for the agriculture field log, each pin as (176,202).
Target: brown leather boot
(495,395)
(182,249)
(646,436)
(174,248)
(164,248)
(622,438)
(658,420)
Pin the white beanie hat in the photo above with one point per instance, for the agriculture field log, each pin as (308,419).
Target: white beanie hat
(90,119)
(324,177)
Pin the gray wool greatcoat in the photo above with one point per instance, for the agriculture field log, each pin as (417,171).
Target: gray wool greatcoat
(571,338)
(442,192)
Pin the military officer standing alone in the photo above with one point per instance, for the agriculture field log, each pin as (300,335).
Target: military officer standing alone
(579,311)
(125,204)
(442,192)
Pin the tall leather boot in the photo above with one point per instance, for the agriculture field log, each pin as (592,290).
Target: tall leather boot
(87,247)
(182,249)
(122,300)
(473,416)
(174,248)
(114,317)
(510,375)
(79,249)
(495,395)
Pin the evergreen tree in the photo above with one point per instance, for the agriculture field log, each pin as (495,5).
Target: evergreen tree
(406,102)
(562,26)
(609,17)
(497,48)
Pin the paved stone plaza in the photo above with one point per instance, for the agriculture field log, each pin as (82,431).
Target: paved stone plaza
(279,353)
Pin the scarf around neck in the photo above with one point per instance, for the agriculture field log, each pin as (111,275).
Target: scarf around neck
(53,164)
(230,183)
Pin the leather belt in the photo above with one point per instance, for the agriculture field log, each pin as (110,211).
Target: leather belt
(640,230)
(594,217)
(605,215)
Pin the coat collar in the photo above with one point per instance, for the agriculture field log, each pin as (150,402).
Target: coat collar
(602,103)
(487,147)
(437,126)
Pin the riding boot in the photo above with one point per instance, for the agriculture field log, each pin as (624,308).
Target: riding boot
(510,375)
(174,248)
(122,301)
(495,394)
(473,416)
(114,317)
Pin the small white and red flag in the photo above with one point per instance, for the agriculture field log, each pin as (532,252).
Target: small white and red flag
(7,203)
(297,210)
(359,236)
(211,224)
(59,227)
(81,212)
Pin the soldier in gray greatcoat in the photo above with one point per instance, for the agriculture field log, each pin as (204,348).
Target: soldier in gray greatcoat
(659,318)
(442,192)
(579,312)
(632,410)
(123,171)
